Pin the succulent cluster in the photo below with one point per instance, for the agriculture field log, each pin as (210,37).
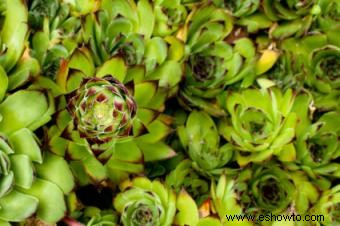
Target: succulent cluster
(169,112)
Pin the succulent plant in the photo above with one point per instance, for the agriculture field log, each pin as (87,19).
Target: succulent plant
(272,189)
(261,124)
(328,206)
(102,109)
(55,33)
(276,10)
(317,143)
(206,66)
(225,201)
(324,73)
(201,140)
(184,176)
(148,130)
(28,177)
(146,203)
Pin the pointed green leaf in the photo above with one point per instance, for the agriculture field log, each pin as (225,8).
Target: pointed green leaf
(156,151)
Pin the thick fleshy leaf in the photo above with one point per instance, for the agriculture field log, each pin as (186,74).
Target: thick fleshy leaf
(146,18)
(266,61)
(81,61)
(115,67)
(23,170)
(169,74)
(188,212)
(25,70)
(24,143)
(94,169)
(56,170)
(156,151)
(144,92)
(3,83)
(22,109)
(51,200)
(17,206)
(127,151)
(6,183)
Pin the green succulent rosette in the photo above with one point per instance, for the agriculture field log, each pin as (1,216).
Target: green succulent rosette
(317,141)
(261,124)
(146,203)
(319,60)
(185,176)
(327,19)
(122,36)
(206,57)
(93,162)
(92,129)
(324,76)
(209,71)
(54,33)
(28,177)
(328,206)
(271,188)
(108,28)
(290,10)
(225,202)
(293,18)
(201,140)
(102,109)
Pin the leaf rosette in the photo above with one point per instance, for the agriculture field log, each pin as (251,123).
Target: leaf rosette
(26,176)
(317,141)
(328,206)
(324,76)
(146,203)
(148,91)
(287,10)
(261,124)
(102,109)
(201,140)
(271,188)
(54,33)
